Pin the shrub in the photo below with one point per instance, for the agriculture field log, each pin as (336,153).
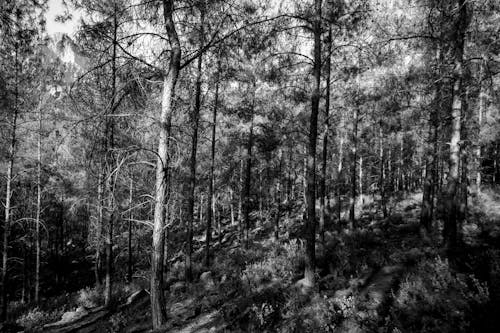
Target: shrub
(90,297)
(36,318)
(435,299)
(282,265)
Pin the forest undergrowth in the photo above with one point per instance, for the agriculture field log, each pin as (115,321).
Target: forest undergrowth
(380,278)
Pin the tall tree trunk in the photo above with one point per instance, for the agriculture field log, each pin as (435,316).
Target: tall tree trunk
(158,311)
(452,202)
(8,192)
(326,130)
(310,262)
(278,197)
(354,152)
(110,124)
(427,208)
(195,117)
(483,99)
(240,199)
(248,180)
(339,179)
(211,192)
(100,207)
(38,204)
(130,264)
(381,181)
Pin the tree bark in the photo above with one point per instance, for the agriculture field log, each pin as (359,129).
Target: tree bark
(452,203)
(211,192)
(381,181)
(158,311)
(326,130)
(8,194)
(310,262)
(110,127)
(354,152)
(483,100)
(195,117)
(130,264)
(427,207)
(248,181)
(100,207)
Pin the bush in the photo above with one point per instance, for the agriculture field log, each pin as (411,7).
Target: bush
(90,297)
(36,318)
(282,266)
(435,299)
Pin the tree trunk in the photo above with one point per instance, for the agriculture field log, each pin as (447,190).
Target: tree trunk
(278,197)
(427,208)
(158,311)
(110,127)
(310,262)
(211,192)
(8,193)
(452,202)
(483,100)
(381,181)
(247,184)
(129,243)
(195,117)
(326,130)
(100,204)
(354,152)
(339,179)
(38,205)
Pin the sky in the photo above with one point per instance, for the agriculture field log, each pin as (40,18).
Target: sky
(56,7)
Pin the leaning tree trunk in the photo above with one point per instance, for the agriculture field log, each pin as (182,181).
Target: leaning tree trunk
(310,262)
(323,194)
(211,192)
(158,311)
(452,201)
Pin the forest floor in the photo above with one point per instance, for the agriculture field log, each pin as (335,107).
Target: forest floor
(381,278)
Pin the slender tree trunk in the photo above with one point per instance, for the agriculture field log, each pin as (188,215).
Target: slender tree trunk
(278,197)
(195,116)
(8,194)
(310,262)
(38,205)
(211,192)
(381,181)
(100,204)
(158,311)
(240,199)
(326,130)
(354,152)
(483,99)
(451,203)
(130,266)
(248,181)
(339,179)
(108,287)
(361,181)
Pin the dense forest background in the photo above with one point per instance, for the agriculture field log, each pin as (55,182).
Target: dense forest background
(291,166)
